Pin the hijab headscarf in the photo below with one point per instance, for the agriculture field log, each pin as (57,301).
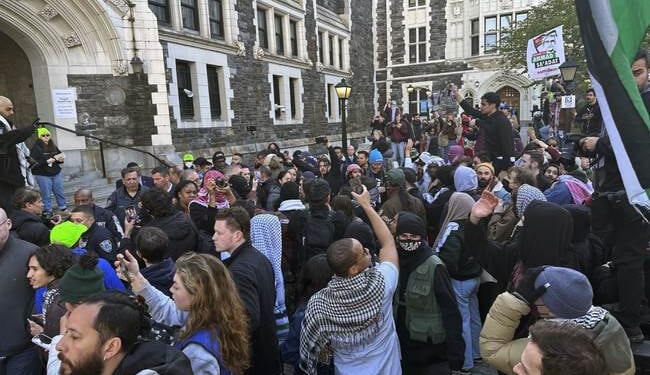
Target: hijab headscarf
(465,179)
(547,234)
(525,195)
(203,197)
(266,237)
(460,205)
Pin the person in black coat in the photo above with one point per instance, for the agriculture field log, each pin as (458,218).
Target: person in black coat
(498,131)
(254,278)
(26,217)
(180,230)
(11,174)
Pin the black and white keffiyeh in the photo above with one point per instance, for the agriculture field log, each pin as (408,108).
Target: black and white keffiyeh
(345,314)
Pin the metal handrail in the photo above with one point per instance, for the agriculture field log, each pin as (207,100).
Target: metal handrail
(101,141)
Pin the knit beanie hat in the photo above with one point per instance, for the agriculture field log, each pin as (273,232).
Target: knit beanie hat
(290,190)
(42,131)
(308,176)
(67,233)
(375,157)
(351,168)
(81,280)
(568,295)
(408,222)
(395,177)
(485,165)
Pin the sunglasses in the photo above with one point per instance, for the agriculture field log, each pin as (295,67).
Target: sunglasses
(45,135)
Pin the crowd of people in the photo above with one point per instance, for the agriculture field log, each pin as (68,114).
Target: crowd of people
(445,246)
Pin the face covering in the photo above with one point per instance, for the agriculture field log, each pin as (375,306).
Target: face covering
(188,164)
(409,245)
(506,185)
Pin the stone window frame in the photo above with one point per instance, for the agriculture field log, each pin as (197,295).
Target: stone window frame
(475,36)
(289,14)
(341,53)
(331,99)
(201,59)
(283,116)
(220,35)
(229,21)
(417,44)
(194,8)
(164,6)
(491,33)
(416,4)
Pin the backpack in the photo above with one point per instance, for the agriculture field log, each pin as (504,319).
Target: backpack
(315,237)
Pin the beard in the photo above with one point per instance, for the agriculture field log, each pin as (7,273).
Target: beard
(482,183)
(92,364)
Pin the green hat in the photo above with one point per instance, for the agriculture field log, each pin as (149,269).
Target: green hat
(78,283)
(67,233)
(42,131)
(188,157)
(395,177)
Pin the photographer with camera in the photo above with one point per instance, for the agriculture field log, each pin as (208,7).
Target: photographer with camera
(29,223)
(619,224)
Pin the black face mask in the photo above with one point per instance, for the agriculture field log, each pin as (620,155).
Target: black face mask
(506,185)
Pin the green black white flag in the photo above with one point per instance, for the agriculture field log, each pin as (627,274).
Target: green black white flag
(612,31)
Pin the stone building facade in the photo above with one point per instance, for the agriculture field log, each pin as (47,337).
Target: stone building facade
(210,69)
(423,45)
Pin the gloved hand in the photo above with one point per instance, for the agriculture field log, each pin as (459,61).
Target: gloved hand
(526,290)
(37,123)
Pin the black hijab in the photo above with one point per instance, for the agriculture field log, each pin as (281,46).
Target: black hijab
(547,234)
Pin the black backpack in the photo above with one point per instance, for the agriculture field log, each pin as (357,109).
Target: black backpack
(315,237)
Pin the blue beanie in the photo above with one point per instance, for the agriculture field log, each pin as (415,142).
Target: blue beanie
(376,157)
(569,294)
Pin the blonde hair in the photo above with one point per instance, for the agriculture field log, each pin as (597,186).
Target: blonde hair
(216,306)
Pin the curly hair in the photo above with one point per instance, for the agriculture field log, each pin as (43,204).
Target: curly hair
(216,306)
(157,202)
(54,259)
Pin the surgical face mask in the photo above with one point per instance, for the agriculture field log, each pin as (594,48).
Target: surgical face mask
(409,245)
(188,164)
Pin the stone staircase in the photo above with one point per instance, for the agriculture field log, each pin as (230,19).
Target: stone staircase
(101,187)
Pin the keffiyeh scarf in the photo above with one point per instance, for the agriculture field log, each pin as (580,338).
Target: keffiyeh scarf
(23,154)
(345,314)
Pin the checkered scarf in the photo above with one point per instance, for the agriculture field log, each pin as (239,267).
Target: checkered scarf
(346,314)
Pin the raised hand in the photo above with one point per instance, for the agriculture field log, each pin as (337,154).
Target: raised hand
(484,207)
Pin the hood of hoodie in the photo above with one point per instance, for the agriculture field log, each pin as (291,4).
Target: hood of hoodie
(465,179)
(155,356)
(160,273)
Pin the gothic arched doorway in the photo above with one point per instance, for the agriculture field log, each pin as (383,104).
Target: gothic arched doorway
(16,80)
(510,96)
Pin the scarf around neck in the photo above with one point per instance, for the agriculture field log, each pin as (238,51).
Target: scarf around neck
(346,314)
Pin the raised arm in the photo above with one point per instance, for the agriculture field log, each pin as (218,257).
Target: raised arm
(388,252)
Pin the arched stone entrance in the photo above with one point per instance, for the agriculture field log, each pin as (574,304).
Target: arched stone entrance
(510,96)
(16,80)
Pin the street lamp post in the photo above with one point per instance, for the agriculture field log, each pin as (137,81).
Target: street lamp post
(568,72)
(343,91)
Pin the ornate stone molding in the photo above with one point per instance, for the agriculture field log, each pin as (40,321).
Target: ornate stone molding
(121,5)
(47,13)
(120,68)
(258,53)
(319,66)
(241,48)
(71,40)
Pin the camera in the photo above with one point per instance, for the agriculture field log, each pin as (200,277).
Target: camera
(221,183)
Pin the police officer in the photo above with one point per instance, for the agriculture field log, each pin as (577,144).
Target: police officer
(97,238)
(103,217)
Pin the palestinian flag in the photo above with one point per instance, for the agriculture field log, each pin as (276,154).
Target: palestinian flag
(612,31)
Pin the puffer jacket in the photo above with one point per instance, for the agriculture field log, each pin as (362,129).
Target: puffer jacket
(502,352)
